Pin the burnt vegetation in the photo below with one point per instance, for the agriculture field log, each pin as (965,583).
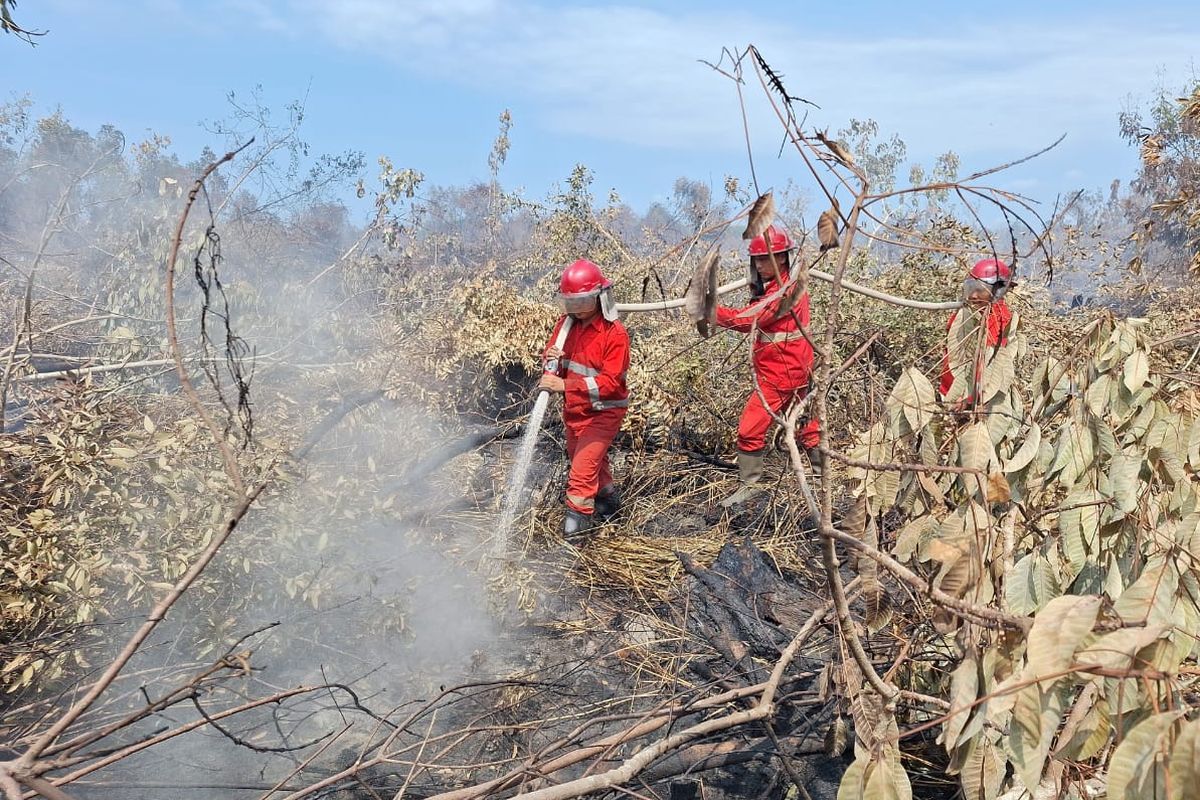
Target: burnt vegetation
(252,453)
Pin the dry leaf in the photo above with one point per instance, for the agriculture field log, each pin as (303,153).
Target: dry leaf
(839,151)
(700,300)
(932,489)
(1151,150)
(797,287)
(827,230)
(761,215)
(998,490)
(837,736)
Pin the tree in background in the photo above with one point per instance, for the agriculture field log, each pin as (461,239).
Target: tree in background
(1165,197)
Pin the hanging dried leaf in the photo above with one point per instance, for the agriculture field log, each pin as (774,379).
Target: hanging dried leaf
(983,770)
(827,230)
(761,215)
(792,293)
(700,300)
(855,521)
(837,736)
(975,448)
(838,150)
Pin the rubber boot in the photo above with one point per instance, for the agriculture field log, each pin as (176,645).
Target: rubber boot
(575,523)
(816,460)
(608,503)
(750,472)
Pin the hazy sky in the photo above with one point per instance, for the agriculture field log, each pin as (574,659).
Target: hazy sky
(618,86)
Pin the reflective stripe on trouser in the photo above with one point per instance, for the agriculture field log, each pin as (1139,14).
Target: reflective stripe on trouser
(752,428)
(587,447)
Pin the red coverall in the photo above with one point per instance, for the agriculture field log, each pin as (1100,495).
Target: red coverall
(593,366)
(783,361)
(998,319)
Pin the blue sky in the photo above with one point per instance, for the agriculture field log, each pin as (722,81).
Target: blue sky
(618,86)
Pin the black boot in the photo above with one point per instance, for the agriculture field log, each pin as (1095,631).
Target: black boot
(608,504)
(575,523)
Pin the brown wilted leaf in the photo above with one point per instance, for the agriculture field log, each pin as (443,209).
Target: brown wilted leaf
(700,300)
(855,521)
(1191,106)
(797,287)
(761,215)
(837,148)
(931,488)
(837,736)
(1151,150)
(998,490)
(827,229)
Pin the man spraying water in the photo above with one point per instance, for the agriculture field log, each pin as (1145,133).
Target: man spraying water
(589,371)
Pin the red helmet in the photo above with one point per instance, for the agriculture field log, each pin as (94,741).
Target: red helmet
(990,275)
(992,271)
(780,242)
(582,278)
(581,284)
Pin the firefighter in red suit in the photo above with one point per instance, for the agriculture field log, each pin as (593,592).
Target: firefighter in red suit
(983,292)
(589,371)
(782,357)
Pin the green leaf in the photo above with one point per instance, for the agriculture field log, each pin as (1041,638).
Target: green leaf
(1058,630)
(1137,370)
(1135,773)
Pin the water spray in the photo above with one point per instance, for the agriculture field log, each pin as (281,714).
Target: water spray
(533,426)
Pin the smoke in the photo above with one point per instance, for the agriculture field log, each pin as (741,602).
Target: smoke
(346,566)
